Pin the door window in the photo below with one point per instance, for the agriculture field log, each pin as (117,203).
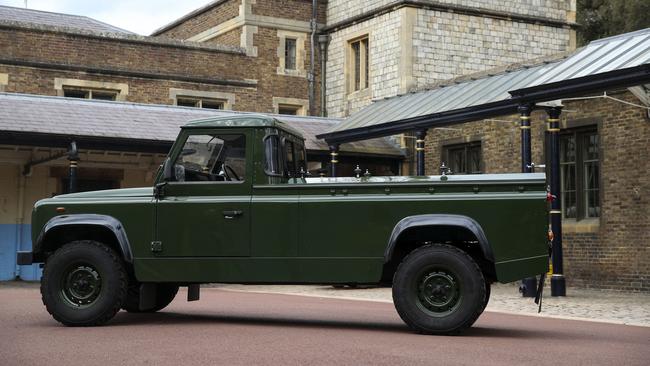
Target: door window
(218,158)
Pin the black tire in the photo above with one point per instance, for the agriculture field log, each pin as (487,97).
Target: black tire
(84,283)
(488,291)
(439,289)
(165,294)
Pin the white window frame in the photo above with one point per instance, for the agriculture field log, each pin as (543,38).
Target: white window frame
(228,99)
(301,39)
(301,105)
(122,89)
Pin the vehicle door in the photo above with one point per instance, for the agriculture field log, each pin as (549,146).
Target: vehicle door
(205,210)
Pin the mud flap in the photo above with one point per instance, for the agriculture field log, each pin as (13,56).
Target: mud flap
(193,292)
(148,292)
(539,293)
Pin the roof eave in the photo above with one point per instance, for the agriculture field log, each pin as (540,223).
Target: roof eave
(596,83)
(429,121)
(85,142)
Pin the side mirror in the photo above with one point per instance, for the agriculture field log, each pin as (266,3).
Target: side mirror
(168,171)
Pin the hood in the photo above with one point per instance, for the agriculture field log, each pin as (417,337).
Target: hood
(123,192)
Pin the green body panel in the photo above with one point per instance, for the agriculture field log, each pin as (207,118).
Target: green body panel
(315,230)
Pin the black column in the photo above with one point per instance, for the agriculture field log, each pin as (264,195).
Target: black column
(419,149)
(528,288)
(73,157)
(334,159)
(524,124)
(558,285)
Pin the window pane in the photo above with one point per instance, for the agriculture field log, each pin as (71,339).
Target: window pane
(568,175)
(568,192)
(475,159)
(187,102)
(291,163)
(591,175)
(457,160)
(357,64)
(288,109)
(211,104)
(212,158)
(567,149)
(272,151)
(367,66)
(101,95)
(75,93)
(290,54)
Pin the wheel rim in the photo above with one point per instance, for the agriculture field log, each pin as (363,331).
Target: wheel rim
(81,285)
(438,292)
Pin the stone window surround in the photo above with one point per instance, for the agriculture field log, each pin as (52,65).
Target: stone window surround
(349,65)
(301,39)
(249,24)
(301,104)
(228,99)
(121,88)
(4,80)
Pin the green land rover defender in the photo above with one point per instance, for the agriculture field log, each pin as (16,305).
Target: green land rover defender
(232,204)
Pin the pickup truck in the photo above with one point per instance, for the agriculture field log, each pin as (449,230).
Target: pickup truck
(232,204)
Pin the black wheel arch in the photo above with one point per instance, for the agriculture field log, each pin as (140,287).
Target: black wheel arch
(66,228)
(457,230)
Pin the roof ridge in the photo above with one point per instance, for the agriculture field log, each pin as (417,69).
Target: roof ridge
(66,14)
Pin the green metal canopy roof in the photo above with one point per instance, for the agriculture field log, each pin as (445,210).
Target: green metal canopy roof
(248,120)
(618,61)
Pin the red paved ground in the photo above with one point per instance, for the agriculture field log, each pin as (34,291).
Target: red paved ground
(232,328)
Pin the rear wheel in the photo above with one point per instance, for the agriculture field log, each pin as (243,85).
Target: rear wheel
(83,283)
(439,289)
(165,294)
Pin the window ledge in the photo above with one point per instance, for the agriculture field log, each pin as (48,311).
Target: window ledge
(363,93)
(292,72)
(570,226)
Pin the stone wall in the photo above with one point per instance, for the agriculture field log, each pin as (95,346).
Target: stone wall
(560,10)
(384,58)
(612,251)
(447,44)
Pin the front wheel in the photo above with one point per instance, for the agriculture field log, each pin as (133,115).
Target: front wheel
(83,283)
(439,289)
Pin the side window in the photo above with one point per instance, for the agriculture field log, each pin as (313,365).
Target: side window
(272,163)
(302,158)
(218,158)
(290,158)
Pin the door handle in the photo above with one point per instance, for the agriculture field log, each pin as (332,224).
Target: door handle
(232,214)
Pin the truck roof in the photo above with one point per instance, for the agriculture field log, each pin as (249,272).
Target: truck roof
(243,121)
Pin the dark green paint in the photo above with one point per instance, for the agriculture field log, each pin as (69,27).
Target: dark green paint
(294,230)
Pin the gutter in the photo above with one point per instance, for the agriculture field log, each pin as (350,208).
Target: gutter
(434,5)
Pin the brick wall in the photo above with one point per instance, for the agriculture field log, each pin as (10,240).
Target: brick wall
(290,9)
(141,90)
(611,252)
(226,10)
(165,64)
(232,38)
